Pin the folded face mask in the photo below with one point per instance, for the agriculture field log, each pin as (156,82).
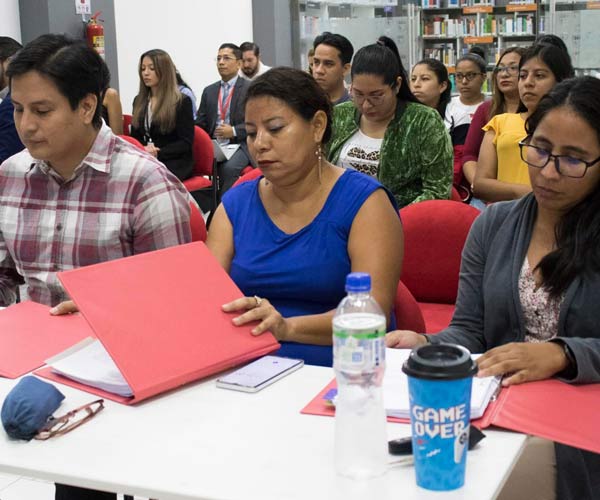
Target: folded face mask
(28,406)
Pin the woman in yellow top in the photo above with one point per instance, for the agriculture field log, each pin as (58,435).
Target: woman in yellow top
(501,174)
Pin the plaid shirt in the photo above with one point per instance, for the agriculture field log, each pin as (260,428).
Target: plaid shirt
(118,202)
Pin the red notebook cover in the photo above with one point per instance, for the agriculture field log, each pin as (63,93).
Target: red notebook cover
(29,335)
(550,409)
(159,316)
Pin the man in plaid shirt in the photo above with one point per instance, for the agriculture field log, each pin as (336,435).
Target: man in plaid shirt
(77,195)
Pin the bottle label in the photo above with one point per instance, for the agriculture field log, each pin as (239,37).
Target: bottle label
(359,351)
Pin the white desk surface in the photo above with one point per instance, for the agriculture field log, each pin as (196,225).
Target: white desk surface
(201,442)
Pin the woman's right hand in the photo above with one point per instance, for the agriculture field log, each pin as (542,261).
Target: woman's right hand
(261,310)
(404,339)
(151,149)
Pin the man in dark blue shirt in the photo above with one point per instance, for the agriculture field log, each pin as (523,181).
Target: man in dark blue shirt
(9,139)
(10,143)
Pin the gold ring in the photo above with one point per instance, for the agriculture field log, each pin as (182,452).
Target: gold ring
(258,300)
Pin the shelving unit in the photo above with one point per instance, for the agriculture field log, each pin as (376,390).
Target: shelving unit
(450,29)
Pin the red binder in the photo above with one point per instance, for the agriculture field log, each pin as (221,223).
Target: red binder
(550,409)
(29,335)
(159,316)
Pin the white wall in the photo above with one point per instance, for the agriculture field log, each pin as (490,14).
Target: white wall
(189,30)
(10,24)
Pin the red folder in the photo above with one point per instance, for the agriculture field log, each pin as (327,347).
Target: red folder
(29,335)
(550,409)
(159,316)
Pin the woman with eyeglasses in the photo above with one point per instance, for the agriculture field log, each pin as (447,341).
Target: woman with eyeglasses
(469,77)
(386,133)
(501,174)
(530,282)
(505,99)
(163,118)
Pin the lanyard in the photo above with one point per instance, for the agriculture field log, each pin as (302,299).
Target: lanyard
(222,109)
(148,122)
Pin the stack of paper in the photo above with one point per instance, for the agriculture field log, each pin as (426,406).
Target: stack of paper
(395,387)
(90,364)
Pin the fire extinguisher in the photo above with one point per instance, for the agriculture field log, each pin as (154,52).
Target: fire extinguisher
(94,33)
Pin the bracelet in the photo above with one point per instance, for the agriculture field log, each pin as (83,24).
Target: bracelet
(569,356)
(425,337)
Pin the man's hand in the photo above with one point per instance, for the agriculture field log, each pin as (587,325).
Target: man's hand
(224,131)
(66,307)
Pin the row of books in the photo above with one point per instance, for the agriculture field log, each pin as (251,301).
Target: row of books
(445,4)
(486,25)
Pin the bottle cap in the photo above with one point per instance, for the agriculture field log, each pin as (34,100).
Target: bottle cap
(358,282)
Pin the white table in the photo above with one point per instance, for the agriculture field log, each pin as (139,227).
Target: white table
(201,442)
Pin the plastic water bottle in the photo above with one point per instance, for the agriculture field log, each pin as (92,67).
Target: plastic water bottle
(359,364)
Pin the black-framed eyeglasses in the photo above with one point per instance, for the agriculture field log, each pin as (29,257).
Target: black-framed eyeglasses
(512,70)
(71,420)
(470,76)
(565,165)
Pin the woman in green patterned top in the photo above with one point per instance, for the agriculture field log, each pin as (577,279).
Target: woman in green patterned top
(387,134)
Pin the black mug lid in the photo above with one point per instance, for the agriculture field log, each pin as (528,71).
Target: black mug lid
(440,362)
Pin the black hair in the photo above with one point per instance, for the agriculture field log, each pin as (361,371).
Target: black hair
(552,56)
(246,46)
(76,69)
(379,59)
(578,231)
(339,42)
(550,39)
(180,80)
(297,89)
(8,47)
(237,52)
(441,73)
(478,51)
(475,59)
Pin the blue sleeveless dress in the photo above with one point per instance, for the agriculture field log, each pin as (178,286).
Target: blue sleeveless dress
(302,273)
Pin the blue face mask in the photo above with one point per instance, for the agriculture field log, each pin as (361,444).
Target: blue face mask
(28,406)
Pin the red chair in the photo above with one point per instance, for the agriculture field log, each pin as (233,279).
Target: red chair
(248,174)
(197,224)
(127,124)
(133,140)
(407,311)
(435,232)
(205,168)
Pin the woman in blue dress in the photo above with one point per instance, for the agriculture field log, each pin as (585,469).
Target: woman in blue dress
(289,238)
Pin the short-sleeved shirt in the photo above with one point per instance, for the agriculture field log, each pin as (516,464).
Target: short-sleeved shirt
(119,201)
(301,273)
(510,130)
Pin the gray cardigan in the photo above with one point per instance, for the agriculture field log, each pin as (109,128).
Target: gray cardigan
(488,314)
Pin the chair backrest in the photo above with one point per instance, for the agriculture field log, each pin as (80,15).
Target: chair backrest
(252,174)
(127,124)
(134,141)
(407,311)
(434,235)
(203,152)
(197,224)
